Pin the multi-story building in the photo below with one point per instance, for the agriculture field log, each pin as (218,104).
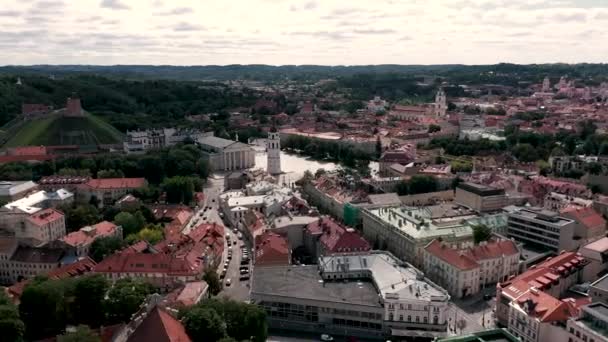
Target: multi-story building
(159,269)
(326,237)
(590,225)
(141,141)
(226,155)
(541,227)
(271,250)
(371,294)
(8,246)
(591,325)
(14,214)
(14,190)
(598,291)
(465,272)
(109,190)
(405,231)
(480,198)
(28,262)
(41,227)
(554,276)
(597,255)
(561,164)
(81,240)
(538,317)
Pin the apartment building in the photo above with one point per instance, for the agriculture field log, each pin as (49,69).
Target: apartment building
(368,295)
(42,227)
(405,231)
(82,239)
(554,277)
(14,214)
(598,291)
(591,325)
(480,198)
(541,227)
(28,262)
(597,255)
(110,190)
(465,272)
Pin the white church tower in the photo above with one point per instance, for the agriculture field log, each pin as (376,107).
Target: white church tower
(546,85)
(273,149)
(441,104)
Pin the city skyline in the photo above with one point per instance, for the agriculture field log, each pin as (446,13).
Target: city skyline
(279,32)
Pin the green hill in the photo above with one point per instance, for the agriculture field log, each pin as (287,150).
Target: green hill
(62,130)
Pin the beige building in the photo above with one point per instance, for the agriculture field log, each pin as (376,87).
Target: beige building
(110,190)
(480,198)
(82,239)
(597,254)
(28,262)
(465,272)
(227,155)
(14,214)
(598,291)
(44,226)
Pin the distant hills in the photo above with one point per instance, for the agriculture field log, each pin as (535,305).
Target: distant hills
(304,72)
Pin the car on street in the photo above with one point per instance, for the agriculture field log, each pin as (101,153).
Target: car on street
(244,272)
(234,243)
(244,277)
(326,338)
(235,230)
(228,282)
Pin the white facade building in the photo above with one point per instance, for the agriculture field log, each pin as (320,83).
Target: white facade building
(227,155)
(141,141)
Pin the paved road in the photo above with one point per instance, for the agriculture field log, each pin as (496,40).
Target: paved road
(474,311)
(237,290)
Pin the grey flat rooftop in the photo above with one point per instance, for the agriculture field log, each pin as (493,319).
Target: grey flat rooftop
(391,276)
(601,283)
(304,282)
(216,142)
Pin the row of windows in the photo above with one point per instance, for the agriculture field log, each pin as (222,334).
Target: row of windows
(425,320)
(580,335)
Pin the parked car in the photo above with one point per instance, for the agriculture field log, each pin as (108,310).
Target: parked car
(246,271)
(235,230)
(228,282)
(326,338)
(244,277)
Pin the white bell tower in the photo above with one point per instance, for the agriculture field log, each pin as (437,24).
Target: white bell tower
(441,104)
(273,149)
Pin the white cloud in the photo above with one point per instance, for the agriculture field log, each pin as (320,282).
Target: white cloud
(302,32)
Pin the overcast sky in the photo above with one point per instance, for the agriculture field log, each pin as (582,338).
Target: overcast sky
(331,32)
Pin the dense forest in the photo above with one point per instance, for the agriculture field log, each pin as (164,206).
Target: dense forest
(460,73)
(145,103)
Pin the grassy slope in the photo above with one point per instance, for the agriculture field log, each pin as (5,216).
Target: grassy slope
(87,130)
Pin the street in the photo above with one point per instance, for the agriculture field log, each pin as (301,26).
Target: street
(473,311)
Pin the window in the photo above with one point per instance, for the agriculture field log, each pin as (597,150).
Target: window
(425,320)
(417,319)
(401,318)
(435,320)
(409,318)
(390,316)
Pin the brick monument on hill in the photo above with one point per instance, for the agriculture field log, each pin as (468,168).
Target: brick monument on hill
(73,107)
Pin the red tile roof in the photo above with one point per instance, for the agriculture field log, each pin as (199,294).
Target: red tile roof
(83,237)
(554,268)
(144,263)
(78,268)
(20,158)
(27,151)
(45,216)
(337,238)
(117,183)
(271,250)
(493,250)
(458,259)
(587,217)
(159,326)
(545,307)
